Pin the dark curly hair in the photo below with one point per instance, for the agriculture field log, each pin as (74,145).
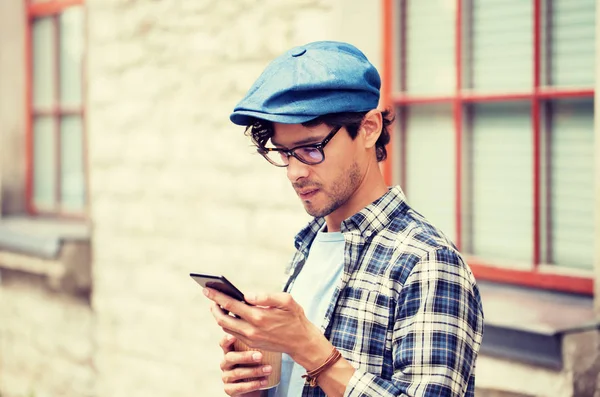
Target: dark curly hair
(262,130)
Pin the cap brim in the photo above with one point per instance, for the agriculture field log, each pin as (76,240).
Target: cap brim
(247,117)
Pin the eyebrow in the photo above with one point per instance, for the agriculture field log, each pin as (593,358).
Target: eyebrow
(305,141)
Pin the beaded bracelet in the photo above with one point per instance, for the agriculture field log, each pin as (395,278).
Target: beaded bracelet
(311,376)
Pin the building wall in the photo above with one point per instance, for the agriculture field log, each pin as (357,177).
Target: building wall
(525,380)
(46,346)
(12,106)
(175,187)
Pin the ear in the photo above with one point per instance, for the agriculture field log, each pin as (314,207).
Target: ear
(371,127)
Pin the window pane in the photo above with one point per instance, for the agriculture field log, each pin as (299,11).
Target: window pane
(43,63)
(501,183)
(72,168)
(71,56)
(572,40)
(430,162)
(501,46)
(44,163)
(571,184)
(430,38)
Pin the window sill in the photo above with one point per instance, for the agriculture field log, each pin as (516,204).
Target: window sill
(529,325)
(54,249)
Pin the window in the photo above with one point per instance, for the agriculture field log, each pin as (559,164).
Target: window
(494,135)
(55,145)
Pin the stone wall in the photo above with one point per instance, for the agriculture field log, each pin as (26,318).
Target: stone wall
(46,344)
(175,187)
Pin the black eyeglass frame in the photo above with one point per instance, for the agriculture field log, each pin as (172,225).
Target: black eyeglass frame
(264,151)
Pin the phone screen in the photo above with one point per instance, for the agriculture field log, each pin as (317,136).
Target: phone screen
(219,283)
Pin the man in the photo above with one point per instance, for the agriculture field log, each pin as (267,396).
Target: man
(378,302)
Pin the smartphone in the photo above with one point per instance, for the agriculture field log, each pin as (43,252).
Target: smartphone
(220,283)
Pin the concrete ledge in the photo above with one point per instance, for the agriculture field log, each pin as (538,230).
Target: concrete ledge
(59,251)
(525,346)
(538,343)
(498,393)
(44,247)
(40,237)
(528,325)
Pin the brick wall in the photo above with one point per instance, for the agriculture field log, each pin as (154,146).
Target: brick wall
(175,187)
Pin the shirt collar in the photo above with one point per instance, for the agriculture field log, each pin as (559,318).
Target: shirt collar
(367,222)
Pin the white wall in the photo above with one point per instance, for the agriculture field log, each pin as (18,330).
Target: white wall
(175,187)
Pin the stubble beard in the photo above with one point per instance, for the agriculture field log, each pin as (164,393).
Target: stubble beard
(339,193)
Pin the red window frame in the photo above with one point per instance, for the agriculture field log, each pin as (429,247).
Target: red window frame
(34,10)
(394,10)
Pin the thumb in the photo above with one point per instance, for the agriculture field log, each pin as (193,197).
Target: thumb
(277,299)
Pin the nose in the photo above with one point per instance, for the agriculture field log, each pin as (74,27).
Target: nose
(296,169)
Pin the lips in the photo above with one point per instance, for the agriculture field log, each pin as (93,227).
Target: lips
(306,194)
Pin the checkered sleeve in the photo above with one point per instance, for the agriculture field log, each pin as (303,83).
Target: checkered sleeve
(437,332)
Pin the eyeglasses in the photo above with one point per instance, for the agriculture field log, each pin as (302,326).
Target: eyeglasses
(310,154)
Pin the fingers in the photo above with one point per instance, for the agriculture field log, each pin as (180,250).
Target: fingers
(280,300)
(222,318)
(229,324)
(246,374)
(239,389)
(242,372)
(247,358)
(227,303)
(226,343)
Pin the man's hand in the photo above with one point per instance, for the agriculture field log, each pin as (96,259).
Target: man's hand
(242,373)
(276,323)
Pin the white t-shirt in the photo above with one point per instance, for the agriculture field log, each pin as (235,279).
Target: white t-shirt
(313,290)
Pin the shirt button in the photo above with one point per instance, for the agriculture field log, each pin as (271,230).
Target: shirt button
(368,233)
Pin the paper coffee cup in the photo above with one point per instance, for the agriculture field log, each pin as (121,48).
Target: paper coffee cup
(269,358)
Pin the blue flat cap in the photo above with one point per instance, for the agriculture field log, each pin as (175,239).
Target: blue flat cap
(309,81)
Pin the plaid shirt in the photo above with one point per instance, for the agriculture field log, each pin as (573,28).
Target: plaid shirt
(407,313)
